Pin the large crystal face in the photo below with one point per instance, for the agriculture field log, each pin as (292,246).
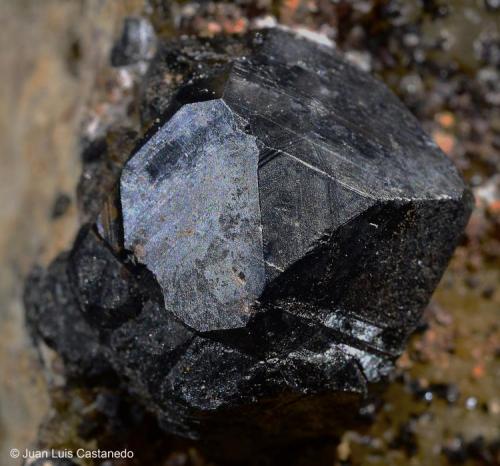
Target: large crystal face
(283,229)
(190,202)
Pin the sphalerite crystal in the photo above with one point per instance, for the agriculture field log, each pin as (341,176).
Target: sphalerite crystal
(271,246)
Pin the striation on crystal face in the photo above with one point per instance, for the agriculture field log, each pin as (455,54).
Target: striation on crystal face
(283,229)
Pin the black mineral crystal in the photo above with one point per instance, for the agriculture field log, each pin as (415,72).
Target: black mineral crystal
(268,247)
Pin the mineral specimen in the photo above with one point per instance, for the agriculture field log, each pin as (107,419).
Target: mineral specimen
(273,244)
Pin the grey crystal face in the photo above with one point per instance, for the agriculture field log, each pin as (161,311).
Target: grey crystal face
(299,205)
(191,213)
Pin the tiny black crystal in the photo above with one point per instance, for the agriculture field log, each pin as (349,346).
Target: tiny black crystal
(281,232)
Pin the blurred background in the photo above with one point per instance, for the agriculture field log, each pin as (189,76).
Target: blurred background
(59,93)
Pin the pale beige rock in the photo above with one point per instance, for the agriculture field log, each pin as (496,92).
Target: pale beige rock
(52,55)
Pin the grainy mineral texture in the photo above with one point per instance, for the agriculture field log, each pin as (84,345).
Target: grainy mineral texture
(273,243)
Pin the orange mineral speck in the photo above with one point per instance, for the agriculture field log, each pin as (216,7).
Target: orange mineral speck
(214,28)
(478,371)
(445,119)
(292,4)
(494,207)
(445,141)
(238,26)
